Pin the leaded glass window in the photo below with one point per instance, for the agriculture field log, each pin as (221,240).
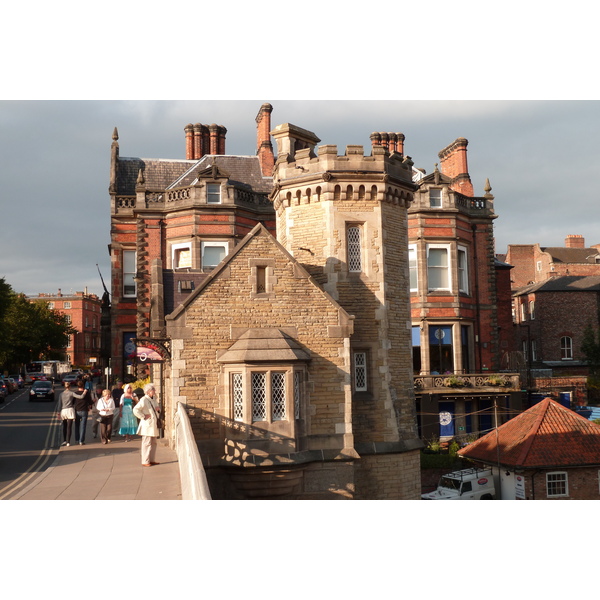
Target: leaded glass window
(360,371)
(278,396)
(297,392)
(354,249)
(238,396)
(259,396)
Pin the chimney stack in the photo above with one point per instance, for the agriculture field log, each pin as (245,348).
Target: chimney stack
(574,241)
(392,142)
(202,139)
(453,163)
(264,147)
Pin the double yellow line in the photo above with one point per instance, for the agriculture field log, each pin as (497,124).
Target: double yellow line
(48,452)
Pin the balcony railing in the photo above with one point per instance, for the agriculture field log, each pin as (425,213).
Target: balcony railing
(480,382)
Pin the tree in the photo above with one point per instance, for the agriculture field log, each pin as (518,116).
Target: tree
(32,331)
(590,347)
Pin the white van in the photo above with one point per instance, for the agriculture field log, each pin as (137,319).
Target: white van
(468,484)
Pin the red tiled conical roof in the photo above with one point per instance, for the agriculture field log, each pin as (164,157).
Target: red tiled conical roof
(546,435)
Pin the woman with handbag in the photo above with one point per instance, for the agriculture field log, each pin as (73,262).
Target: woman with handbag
(147,410)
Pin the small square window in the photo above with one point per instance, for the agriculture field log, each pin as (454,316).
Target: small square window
(213,193)
(435,197)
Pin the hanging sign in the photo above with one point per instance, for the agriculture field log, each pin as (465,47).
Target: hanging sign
(147,354)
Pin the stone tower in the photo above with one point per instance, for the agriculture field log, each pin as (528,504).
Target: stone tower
(344,218)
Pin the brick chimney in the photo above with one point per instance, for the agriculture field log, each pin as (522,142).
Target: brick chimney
(453,163)
(204,139)
(575,241)
(264,146)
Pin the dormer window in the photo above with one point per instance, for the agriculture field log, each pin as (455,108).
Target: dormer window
(435,197)
(213,193)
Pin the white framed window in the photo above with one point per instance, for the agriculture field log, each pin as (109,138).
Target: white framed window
(354,248)
(435,197)
(463,270)
(523,312)
(181,255)
(438,267)
(268,396)
(532,310)
(212,254)
(413,268)
(533,350)
(566,348)
(129,270)
(360,372)
(51,305)
(67,305)
(213,193)
(525,348)
(557,484)
(538,265)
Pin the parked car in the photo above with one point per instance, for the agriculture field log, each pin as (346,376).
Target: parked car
(70,377)
(42,390)
(20,381)
(10,387)
(3,390)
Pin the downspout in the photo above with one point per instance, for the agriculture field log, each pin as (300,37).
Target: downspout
(477,311)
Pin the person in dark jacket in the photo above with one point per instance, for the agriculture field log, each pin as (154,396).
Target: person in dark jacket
(83,403)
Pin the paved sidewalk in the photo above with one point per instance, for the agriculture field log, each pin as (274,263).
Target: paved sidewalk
(97,471)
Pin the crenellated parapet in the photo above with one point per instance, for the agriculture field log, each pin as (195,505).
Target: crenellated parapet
(306,174)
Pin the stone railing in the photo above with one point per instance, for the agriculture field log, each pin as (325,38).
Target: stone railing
(498,382)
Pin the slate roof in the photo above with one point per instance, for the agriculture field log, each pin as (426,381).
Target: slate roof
(161,174)
(566,283)
(572,255)
(548,435)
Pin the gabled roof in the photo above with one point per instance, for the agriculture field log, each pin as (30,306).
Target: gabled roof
(566,283)
(547,435)
(259,230)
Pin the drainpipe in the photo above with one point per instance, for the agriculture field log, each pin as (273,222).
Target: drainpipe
(477,312)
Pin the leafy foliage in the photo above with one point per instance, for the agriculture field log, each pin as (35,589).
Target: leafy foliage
(29,330)
(590,347)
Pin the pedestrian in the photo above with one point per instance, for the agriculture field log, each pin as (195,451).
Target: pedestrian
(129,423)
(106,409)
(95,414)
(148,411)
(83,403)
(66,412)
(117,392)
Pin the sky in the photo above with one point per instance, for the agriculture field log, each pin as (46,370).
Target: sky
(516,79)
(540,157)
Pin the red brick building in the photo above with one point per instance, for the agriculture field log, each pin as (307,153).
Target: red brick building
(550,319)
(548,452)
(533,263)
(84,312)
(188,214)
(460,300)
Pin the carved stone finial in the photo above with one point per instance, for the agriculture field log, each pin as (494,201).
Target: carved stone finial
(140,177)
(488,188)
(115,135)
